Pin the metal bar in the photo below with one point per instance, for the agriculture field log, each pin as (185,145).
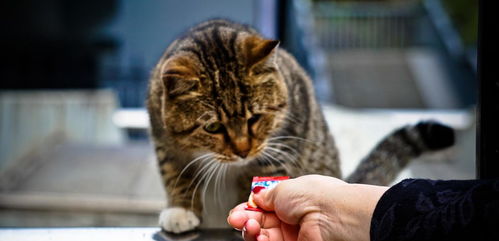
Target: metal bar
(488,108)
(444,26)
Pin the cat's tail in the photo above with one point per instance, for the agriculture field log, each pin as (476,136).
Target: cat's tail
(395,151)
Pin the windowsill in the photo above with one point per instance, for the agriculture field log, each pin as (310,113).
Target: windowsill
(110,234)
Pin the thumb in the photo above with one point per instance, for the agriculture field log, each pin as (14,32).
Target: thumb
(264,198)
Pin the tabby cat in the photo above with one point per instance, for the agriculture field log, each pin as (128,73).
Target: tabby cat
(226,104)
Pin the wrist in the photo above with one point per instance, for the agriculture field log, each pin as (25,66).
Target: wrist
(367,197)
(355,209)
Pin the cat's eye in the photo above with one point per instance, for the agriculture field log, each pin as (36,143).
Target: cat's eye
(254,119)
(215,127)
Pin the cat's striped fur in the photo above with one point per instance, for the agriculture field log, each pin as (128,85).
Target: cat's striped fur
(223,96)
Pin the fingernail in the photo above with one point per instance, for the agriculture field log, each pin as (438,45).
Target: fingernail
(244,226)
(257,189)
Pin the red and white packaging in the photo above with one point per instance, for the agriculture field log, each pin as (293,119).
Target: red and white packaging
(259,183)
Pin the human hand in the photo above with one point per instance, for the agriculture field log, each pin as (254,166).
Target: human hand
(310,207)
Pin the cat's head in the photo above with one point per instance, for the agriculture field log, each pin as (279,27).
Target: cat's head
(223,94)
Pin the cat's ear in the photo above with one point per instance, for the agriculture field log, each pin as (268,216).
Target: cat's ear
(176,86)
(259,51)
(178,79)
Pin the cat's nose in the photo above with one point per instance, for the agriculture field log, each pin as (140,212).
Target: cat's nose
(243,154)
(242,147)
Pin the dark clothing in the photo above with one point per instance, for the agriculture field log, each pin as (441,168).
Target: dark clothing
(419,210)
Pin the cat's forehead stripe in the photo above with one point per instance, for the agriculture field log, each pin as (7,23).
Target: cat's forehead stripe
(213,46)
(196,53)
(223,54)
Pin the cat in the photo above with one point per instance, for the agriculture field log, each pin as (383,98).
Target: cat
(224,101)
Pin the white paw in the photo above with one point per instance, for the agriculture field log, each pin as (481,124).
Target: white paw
(178,220)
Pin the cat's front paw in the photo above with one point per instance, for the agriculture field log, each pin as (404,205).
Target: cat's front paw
(178,220)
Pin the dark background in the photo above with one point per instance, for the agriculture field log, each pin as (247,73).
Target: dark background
(63,44)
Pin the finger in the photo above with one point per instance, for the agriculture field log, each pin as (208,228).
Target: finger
(290,232)
(274,234)
(251,230)
(262,238)
(265,199)
(237,219)
(239,207)
(238,216)
(264,235)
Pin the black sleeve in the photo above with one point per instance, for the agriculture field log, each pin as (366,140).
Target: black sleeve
(417,209)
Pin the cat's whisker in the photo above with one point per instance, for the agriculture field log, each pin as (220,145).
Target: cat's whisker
(214,168)
(218,183)
(210,164)
(293,138)
(202,157)
(281,152)
(224,177)
(292,119)
(292,159)
(206,184)
(202,174)
(264,158)
(290,114)
(204,166)
(271,153)
(283,164)
(215,188)
(222,184)
(217,180)
(282,145)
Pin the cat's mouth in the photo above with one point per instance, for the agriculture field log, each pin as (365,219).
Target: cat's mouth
(234,158)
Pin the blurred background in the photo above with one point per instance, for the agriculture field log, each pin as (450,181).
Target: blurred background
(74,149)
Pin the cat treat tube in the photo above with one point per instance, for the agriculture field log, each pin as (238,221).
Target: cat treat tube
(258,184)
